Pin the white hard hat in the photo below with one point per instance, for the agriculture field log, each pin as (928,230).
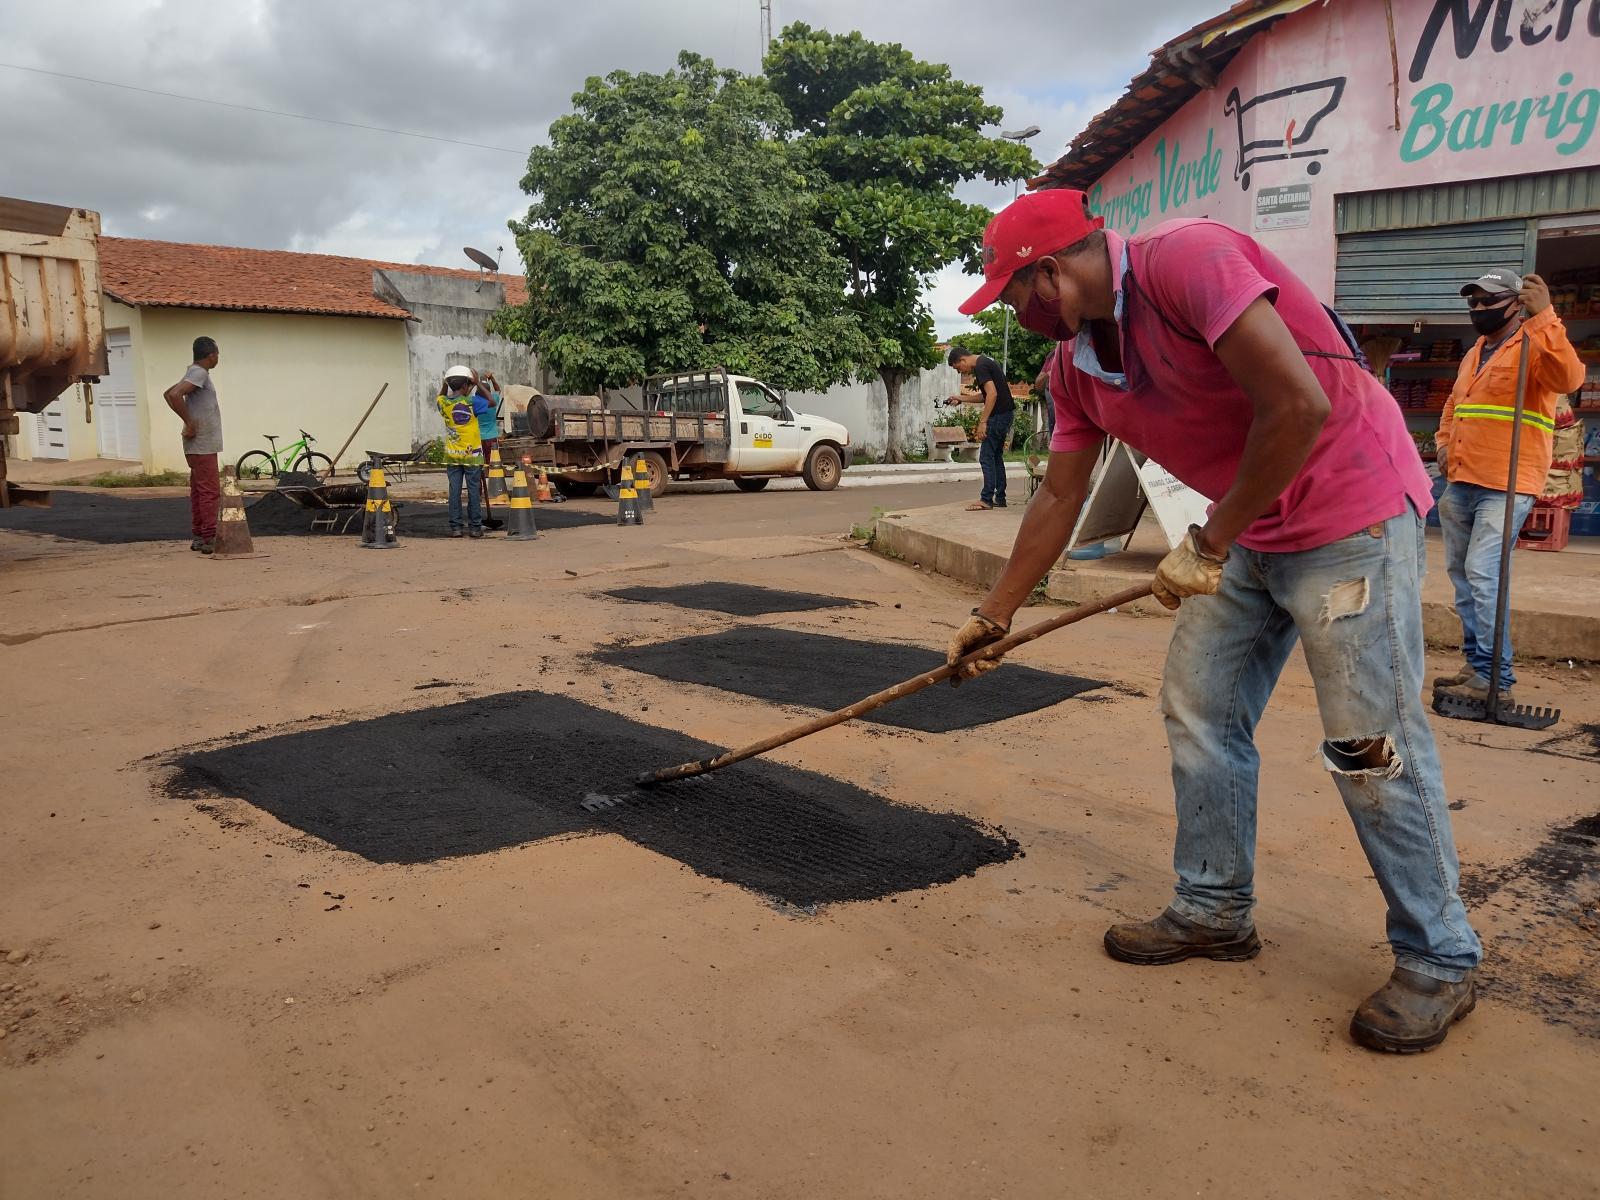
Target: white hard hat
(460,372)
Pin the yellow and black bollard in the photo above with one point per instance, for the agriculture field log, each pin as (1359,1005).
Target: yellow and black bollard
(644,484)
(628,499)
(521,527)
(497,476)
(378,525)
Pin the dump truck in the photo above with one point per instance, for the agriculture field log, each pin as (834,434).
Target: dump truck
(691,425)
(52,329)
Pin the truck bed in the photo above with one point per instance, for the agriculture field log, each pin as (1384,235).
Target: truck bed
(52,333)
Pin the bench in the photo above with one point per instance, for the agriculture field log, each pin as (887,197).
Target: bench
(946,442)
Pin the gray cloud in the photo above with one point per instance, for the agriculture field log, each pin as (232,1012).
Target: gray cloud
(488,71)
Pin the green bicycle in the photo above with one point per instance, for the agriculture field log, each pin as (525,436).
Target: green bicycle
(265,464)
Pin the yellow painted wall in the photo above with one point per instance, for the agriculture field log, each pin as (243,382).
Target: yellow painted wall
(278,373)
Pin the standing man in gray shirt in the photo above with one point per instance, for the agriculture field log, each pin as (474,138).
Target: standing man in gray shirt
(194,398)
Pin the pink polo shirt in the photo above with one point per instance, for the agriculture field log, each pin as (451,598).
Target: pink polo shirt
(1191,281)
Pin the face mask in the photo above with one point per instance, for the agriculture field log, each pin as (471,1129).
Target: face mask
(1490,320)
(1042,319)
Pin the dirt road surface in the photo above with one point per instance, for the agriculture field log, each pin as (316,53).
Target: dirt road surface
(202,999)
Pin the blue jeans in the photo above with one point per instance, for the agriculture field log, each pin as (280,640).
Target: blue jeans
(455,476)
(1473,519)
(1355,605)
(992,457)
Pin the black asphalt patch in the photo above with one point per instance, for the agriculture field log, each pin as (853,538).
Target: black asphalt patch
(818,671)
(490,773)
(1549,963)
(736,599)
(109,519)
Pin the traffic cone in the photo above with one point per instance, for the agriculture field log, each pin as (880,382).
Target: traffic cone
(233,527)
(497,476)
(543,494)
(644,484)
(522,526)
(628,499)
(378,530)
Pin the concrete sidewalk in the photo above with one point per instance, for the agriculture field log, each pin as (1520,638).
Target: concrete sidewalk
(44,471)
(1555,598)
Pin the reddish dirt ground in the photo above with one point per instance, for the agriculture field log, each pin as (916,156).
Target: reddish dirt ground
(200,1001)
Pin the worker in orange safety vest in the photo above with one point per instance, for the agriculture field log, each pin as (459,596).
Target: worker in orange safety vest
(1474,449)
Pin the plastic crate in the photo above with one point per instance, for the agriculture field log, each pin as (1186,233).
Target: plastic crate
(1545,529)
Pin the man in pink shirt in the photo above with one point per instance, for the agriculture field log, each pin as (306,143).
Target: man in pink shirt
(1197,346)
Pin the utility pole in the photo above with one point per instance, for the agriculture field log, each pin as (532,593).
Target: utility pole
(1018,136)
(766,28)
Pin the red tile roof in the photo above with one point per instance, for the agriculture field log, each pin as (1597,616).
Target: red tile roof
(178,275)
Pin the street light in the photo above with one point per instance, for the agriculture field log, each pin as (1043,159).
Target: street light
(1018,136)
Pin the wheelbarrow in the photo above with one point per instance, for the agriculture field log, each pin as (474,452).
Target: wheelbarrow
(333,507)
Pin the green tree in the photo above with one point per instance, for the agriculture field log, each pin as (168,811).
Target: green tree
(674,227)
(1027,352)
(893,136)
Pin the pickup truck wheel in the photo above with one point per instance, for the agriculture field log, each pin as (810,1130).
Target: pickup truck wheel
(574,489)
(822,469)
(660,481)
(750,485)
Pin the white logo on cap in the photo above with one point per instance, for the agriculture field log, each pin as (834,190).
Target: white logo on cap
(1024,251)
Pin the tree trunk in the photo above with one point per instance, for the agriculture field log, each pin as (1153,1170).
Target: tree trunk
(894,452)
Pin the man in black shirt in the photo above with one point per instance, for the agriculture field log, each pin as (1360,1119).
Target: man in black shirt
(994,423)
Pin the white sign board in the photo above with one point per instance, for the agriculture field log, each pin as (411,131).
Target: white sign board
(1287,207)
(1177,505)
(1126,482)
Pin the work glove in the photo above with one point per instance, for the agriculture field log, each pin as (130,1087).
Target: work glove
(1187,570)
(1441,458)
(978,632)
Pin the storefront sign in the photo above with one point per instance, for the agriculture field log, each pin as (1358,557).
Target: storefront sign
(1286,207)
(1181,180)
(1367,95)
(1564,117)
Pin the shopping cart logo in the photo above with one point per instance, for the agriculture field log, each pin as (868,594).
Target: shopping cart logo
(1284,112)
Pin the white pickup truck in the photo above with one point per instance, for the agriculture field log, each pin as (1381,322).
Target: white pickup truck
(691,425)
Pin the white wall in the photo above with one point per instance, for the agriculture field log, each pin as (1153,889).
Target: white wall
(863,409)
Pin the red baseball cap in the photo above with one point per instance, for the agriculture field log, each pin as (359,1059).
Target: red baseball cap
(1031,227)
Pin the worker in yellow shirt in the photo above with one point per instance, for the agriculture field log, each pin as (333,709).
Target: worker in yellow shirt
(1474,444)
(463,449)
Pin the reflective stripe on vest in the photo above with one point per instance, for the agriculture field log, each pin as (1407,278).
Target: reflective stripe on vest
(1503,412)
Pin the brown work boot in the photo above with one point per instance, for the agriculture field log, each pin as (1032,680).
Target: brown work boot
(1412,1012)
(1171,938)
(1476,687)
(1461,676)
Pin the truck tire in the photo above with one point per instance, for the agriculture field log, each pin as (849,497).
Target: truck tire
(822,469)
(660,481)
(750,485)
(574,489)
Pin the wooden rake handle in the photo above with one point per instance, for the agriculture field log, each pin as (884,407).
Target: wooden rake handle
(878,699)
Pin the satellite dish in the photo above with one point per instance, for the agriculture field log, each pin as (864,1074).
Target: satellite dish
(486,265)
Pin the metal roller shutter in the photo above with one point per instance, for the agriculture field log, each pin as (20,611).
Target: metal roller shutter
(1400,275)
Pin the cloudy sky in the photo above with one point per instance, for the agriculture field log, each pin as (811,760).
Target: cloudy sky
(490,72)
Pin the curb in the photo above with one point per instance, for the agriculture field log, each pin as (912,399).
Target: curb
(1535,633)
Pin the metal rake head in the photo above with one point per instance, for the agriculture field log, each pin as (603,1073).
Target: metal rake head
(1470,708)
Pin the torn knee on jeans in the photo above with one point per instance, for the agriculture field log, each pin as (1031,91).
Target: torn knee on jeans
(1366,757)
(1347,599)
